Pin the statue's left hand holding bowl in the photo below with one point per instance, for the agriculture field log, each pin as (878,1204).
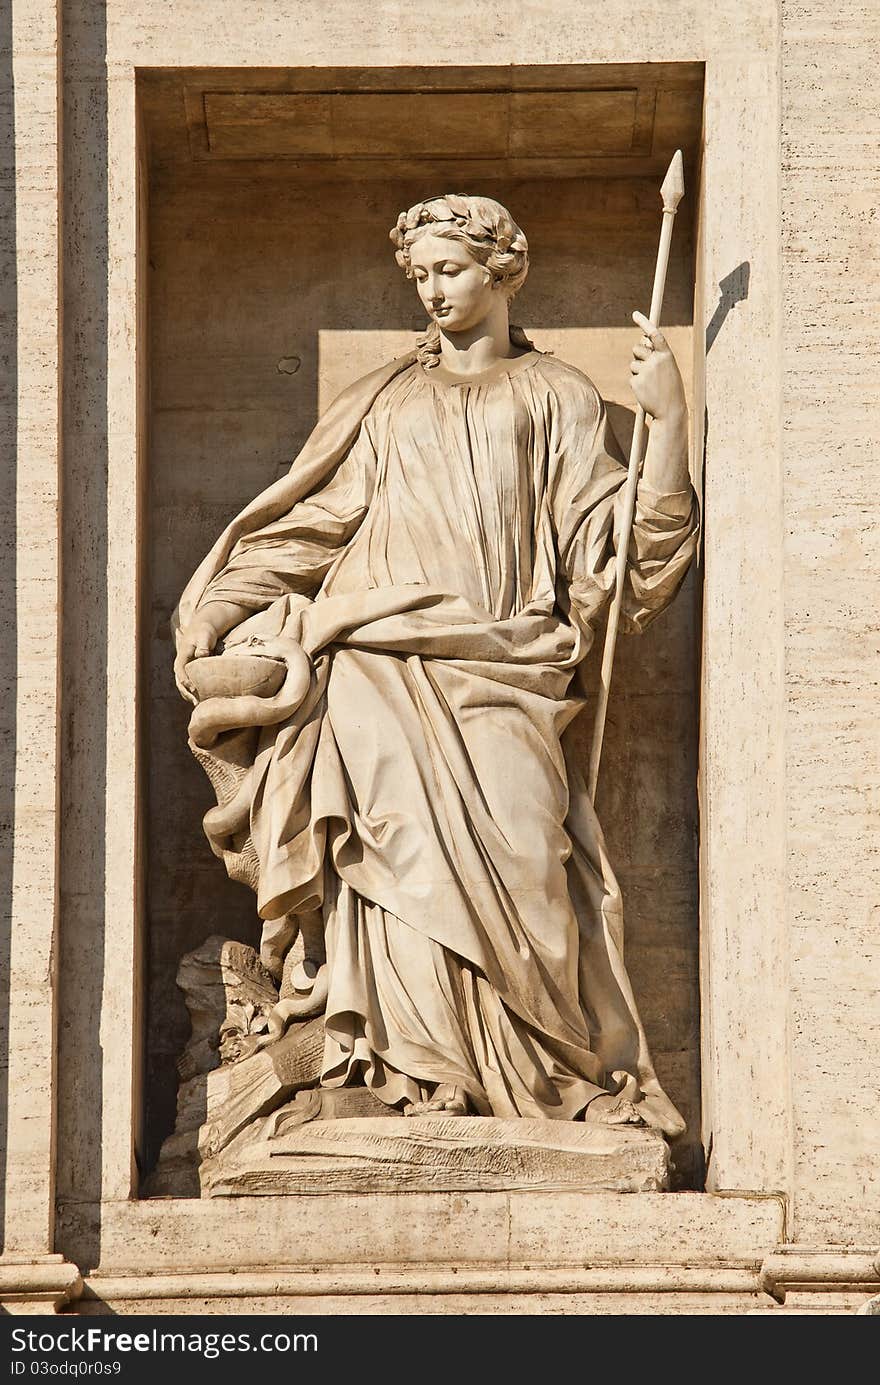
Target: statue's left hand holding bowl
(199,638)
(194,641)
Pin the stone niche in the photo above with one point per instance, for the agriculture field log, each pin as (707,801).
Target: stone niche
(270,285)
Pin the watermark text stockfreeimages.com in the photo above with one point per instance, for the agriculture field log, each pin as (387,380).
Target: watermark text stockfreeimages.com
(91,1341)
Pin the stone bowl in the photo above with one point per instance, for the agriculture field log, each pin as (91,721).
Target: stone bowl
(235,675)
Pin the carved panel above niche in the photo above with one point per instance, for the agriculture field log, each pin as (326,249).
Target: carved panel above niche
(608,120)
(389,125)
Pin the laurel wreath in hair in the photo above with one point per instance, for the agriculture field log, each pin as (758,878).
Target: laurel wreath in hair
(479,218)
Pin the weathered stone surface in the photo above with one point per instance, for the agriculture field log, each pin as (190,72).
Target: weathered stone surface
(421,1153)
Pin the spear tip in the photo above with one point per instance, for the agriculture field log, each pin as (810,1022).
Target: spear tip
(672,190)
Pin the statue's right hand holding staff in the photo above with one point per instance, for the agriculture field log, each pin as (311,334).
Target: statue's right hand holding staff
(658,388)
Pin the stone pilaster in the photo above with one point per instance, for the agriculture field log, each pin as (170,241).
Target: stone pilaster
(30,1275)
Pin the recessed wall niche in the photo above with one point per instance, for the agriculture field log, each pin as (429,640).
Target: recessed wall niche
(271,285)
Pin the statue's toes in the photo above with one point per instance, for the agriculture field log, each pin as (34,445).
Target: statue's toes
(628,1115)
(620,1112)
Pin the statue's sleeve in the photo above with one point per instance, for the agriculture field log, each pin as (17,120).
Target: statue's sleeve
(586,494)
(294,553)
(661,548)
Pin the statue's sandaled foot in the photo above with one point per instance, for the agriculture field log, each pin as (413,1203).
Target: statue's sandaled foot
(612,1110)
(447,1101)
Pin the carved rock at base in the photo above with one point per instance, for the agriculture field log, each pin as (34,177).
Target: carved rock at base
(424,1153)
(326,1104)
(229,994)
(239,1094)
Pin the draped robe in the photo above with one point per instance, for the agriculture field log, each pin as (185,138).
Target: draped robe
(441,550)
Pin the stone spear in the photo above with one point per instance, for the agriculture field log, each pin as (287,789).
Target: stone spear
(671,192)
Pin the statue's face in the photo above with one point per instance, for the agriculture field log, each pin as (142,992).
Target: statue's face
(456,290)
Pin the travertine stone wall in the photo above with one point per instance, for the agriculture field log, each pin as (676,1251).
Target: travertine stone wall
(831,356)
(30,358)
(269,294)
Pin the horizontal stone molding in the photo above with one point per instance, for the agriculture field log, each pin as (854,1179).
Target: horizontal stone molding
(795,1267)
(786,1269)
(38,1286)
(395,1279)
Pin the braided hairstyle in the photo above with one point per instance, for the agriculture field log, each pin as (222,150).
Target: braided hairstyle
(491,237)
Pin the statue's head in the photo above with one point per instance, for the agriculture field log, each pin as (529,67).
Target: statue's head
(462,253)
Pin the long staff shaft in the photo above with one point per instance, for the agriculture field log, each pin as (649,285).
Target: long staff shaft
(629,505)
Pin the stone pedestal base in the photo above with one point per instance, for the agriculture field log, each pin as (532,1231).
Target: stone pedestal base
(513,1252)
(427,1153)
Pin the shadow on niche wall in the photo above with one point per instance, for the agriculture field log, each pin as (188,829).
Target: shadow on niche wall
(9,625)
(734,289)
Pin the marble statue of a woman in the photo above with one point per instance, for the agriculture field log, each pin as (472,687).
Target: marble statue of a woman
(428,576)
